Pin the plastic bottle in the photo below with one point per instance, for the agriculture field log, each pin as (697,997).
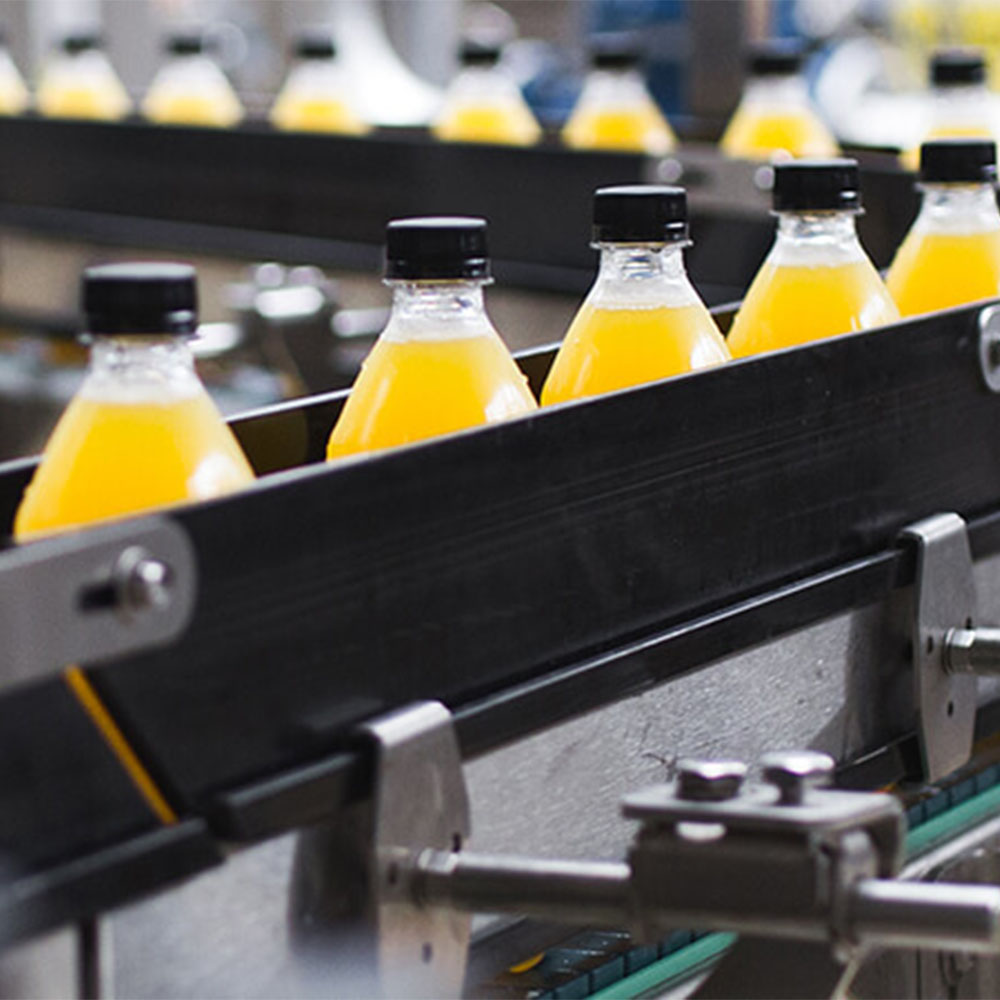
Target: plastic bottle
(615,110)
(816,281)
(14,96)
(439,366)
(960,103)
(951,254)
(142,431)
(775,116)
(315,96)
(78,81)
(642,319)
(189,88)
(483,104)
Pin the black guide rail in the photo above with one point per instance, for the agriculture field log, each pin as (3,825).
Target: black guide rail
(324,199)
(523,574)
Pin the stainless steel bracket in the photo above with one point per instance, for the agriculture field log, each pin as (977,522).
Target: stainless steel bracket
(93,595)
(989,346)
(353,913)
(944,600)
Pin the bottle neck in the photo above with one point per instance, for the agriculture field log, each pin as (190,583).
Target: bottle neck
(614,87)
(436,309)
(959,207)
(776,91)
(816,238)
(146,365)
(642,275)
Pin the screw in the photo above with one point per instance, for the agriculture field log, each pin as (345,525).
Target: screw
(709,780)
(142,581)
(795,771)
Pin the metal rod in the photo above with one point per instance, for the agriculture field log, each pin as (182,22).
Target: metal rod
(926,915)
(972,651)
(576,892)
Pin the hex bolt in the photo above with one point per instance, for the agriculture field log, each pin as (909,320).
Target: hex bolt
(793,772)
(709,780)
(142,581)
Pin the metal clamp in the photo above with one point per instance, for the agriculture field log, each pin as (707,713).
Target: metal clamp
(785,861)
(989,346)
(949,649)
(93,595)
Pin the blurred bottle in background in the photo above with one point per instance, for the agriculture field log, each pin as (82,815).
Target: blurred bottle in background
(775,116)
(190,88)
(483,104)
(615,109)
(78,81)
(14,96)
(315,96)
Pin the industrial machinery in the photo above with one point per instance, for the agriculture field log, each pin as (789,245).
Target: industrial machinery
(248,783)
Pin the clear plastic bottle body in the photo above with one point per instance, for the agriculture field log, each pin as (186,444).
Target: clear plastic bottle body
(14,96)
(776,118)
(616,111)
(641,321)
(951,255)
(438,367)
(816,282)
(141,433)
(315,98)
(81,85)
(483,104)
(192,90)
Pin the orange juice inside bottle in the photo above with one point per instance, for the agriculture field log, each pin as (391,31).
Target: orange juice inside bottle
(951,255)
(439,366)
(483,105)
(817,281)
(79,82)
(775,115)
(642,320)
(615,110)
(142,431)
(190,89)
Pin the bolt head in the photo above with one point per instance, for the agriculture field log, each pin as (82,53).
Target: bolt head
(795,771)
(709,780)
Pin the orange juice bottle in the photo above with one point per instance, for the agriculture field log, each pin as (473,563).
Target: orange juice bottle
(439,366)
(14,96)
(189,88)
(816,281)
(642,320)
(78,81)
(315,96)
(951,254)
(142,431)
(615,110)
(775,116)
(483,104)
(960,104)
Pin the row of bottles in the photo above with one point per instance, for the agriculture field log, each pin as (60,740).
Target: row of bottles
(142,432)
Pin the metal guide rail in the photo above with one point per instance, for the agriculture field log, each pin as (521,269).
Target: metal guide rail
(581,554)
(322,199)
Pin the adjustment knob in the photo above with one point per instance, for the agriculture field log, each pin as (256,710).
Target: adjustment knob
(795,771)
(709,780)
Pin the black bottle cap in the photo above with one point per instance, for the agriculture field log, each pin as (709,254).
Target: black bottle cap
(436,248)
(187,43)
(957,161)
(315,45)
(140,298)
(614,52)
(817,186)
(80,41)
(776,58)
(957,68)
(640,213)
(478,54)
